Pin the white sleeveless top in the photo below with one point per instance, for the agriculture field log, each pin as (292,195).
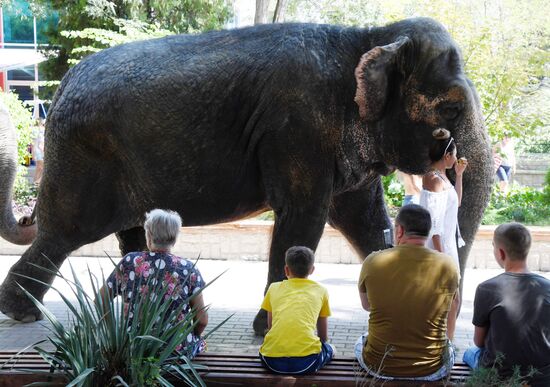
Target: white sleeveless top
(443,208)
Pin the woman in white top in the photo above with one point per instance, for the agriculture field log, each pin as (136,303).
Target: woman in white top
(442,200)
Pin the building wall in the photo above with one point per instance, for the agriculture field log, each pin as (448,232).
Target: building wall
(532,169)
(2,74)
(22,33)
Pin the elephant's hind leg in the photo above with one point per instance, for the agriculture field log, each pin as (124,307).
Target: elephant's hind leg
(62,228)
(36,262)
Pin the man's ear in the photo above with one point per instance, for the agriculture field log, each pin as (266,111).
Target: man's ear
(287,271)
(399,231)
(501,254)
(312,269)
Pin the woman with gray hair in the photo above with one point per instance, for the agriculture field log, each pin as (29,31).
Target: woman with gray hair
(180,277)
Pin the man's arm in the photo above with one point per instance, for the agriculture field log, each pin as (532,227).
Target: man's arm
(269,320)
(480,333)
(484,301)
(432,183)
(322,328)
(364,301)
(452,315)
(436,240)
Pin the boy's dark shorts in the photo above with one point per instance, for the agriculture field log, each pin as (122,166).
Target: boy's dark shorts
(299,365)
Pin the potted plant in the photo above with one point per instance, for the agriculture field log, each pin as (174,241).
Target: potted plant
(103,345)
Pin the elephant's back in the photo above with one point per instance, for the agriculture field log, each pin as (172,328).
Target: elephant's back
(184,77)
(209,57)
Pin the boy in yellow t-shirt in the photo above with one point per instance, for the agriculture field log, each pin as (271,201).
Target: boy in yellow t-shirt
(295,308)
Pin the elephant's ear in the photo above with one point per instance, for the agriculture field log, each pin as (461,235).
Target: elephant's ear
(372,78)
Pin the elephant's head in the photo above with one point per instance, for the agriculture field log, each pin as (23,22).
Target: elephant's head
(9,228)
(411,82)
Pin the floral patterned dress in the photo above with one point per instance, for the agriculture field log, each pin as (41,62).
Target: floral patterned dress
(180,276)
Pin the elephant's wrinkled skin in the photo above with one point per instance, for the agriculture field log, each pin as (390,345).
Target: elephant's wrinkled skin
(299,118)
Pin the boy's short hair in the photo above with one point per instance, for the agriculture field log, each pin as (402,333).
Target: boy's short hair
(299,260)
(515,239)
(415,220)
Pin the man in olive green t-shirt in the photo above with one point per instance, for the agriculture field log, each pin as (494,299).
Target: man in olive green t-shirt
(408,291)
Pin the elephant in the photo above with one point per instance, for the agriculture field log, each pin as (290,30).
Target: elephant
(303,119)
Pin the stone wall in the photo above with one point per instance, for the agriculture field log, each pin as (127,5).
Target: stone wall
(250,240)
(531,169)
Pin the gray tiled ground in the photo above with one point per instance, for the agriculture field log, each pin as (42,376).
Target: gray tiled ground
(239,291)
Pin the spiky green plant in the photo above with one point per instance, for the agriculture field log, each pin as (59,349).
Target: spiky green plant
(104,346)
(490,377)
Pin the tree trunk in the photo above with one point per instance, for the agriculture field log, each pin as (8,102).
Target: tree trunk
(262,7)
(280,8)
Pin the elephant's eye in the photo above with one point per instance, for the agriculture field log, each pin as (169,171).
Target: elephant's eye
(450,111)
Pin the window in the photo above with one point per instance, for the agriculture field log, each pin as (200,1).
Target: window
(22,74)
(18,23)
(23,92)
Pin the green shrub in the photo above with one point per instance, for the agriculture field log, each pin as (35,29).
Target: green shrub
(527,205)
(268,215)
(546,190)
(394,193)
(489,376)
(21,119)
(24,193)
(24,196)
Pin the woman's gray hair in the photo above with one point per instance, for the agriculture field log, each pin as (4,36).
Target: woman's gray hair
(162,227)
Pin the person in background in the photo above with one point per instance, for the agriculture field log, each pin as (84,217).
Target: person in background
(412,185)
(442,200)
(38,151)
(179,275)
(507,166)
(512,312)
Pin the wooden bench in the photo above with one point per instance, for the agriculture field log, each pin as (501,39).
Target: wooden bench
(13,371)
(246,370)
(232,370)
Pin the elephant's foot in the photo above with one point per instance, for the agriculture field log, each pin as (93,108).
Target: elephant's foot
(15,304)
(260,323)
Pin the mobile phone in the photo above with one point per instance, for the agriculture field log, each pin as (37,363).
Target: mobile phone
(387,238)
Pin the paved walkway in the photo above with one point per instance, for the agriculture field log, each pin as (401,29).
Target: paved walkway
(239,291)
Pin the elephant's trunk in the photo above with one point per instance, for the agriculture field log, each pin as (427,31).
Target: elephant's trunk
(9,227)
(473,143)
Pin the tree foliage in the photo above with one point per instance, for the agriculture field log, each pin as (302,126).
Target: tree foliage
(505,47)
(80,27)
(95,39)
(21,119)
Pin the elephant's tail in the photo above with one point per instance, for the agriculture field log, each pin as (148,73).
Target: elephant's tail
(10,229)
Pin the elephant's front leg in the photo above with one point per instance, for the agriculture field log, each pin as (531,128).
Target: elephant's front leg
(361,216)
(298,224)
